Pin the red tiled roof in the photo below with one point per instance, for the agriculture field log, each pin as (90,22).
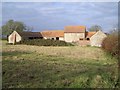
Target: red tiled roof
(75,29)
(53,33)
(89,34)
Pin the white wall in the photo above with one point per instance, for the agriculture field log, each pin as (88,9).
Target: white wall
(73,37)
(49,37)
(60,38)
(45,37)
(96,39)
(11,38)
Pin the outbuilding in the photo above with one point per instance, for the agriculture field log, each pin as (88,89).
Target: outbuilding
(53,34)
(97,38)
(69,34)
(74,33)
(18,36)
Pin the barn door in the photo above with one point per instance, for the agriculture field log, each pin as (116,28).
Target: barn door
(57,38)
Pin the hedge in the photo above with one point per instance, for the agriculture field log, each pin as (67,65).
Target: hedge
(110,44)
(45,42)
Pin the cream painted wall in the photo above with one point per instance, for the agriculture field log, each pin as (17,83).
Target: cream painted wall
(96,39)
(73,37)
(11,37)
(10,40)
(49,38)
(45,37)
(60,38)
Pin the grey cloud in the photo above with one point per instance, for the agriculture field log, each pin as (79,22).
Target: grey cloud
(56,15)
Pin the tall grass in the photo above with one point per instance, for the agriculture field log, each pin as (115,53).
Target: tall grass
(27,66)
(111,45)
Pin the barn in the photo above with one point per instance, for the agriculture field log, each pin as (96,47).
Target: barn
(53,34)
(18,36)
(74,33)
(82,37)
(97,38)
(69,34)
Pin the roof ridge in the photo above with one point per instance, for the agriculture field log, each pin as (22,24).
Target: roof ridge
(52,31)
(76,25)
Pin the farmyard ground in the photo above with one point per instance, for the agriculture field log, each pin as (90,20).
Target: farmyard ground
(26,66)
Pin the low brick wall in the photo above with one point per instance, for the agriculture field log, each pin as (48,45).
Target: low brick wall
(83,42)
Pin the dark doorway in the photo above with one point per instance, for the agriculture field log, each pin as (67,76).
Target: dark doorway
(88,39)
(57,38)
(15,39)
(41,37)
(52,38)
(30,37)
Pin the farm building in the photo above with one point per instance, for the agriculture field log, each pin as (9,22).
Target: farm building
(18,36)
(53,34)
(76,34)
(97,38)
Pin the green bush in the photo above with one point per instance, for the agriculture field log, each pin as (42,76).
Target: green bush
(43,42)
(110,44)
(3,38)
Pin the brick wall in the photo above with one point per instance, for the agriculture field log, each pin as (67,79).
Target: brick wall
(83,42)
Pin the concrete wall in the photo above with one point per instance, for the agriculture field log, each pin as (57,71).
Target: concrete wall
(73,37)
(13,36)
(96,39)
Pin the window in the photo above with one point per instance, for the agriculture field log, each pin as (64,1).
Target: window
(57,38)
(80,38)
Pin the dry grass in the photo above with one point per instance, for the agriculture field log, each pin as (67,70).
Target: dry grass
(38,66)
(74,51)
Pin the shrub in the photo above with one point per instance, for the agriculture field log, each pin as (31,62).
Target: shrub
(110,44)
(3,38)
(43,42)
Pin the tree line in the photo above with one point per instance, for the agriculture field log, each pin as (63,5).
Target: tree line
(12,25)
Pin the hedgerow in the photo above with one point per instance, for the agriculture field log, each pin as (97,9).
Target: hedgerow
(43,42)
(110,44)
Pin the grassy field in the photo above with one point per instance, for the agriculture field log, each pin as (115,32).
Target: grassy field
(25,66)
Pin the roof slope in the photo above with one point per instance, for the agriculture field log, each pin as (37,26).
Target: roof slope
(53,33)
(75,29)
(89,34)
(30,34)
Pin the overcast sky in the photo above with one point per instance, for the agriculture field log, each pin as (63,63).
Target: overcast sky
(56,15)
